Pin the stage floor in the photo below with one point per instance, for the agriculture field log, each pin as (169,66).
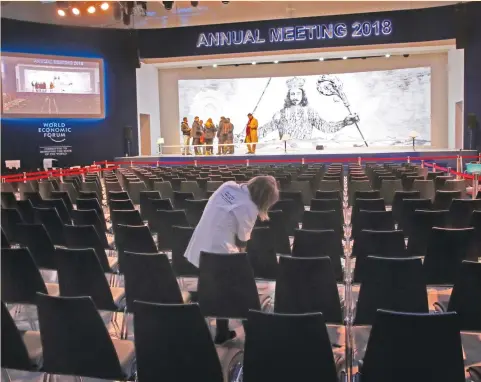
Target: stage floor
(333,155)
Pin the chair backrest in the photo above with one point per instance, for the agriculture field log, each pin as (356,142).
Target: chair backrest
(447,248)
(399,196)
(90,204)
(14,352)
(357,185)
(461,211)
(226,285)
(391,284)
(177,335)
(34,197)
(145,197)
(181,237)
(91,217)
(421,341)
(126,217)
(118,195)
(319,243)
(443,199)
(307,285)
(50,218)
(419,229)
(278,226)
(261,252)
(60,206)
(37,240)
(162,222)
(408,208)
(191,186)
(137,239)
(25,208)
(373,220)
(425,187)
(10,217)
(287,347)
(165,189)
(465,295)
(320,220)
(75,340)
(8,200)
(5,242)
(377,243)
(65,197)
(330,185)
(121,205)
(330,194)
(149,277)
(194,210)
(180,198)
(21,279)
(86,236)
(291,219)
(80,274)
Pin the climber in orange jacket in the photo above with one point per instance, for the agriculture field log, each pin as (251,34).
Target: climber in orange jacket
(251,134)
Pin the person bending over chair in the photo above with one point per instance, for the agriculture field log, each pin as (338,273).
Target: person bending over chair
(227,223)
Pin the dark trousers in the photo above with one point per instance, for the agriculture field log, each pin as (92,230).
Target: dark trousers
(209,145)
(197,150)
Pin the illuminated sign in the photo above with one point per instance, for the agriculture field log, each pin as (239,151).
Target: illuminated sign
(358,29)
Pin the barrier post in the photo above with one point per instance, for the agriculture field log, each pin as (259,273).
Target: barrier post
(61,175)
(475,184)
(460,167)
(422,163)
(24,177)
(247,162)
(434,166)
(409,159)
(303,161)
(359,161)
(195,162)
(157,163)
(479,157)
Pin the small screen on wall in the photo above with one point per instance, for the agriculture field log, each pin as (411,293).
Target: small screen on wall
(40,86)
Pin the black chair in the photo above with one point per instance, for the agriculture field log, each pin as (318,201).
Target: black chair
(226,286)
(476,223)
(5,242)
(320,220)
(465,297)
(391,356)
(145,197)
(447,248)
(296,196)
(65,197)
(86,236)
(291,220)
(8,200)
(37,240)
(117,195)
(87,350)
(179,337)
(443,199)
(121,205)
(34,197)
(366,194)
(399,196)
(21,279)
(376,243)
(461,211)
(307,285)
(149,277)
(180,198)
(61,208)
(310,243)
(128,217)
(408,208)
(91,217)
(194,210)
(286,347)
(333,194)
(278,226)
(162,222)
(152,205)
(391,284)
(9,220)
(136,239)
(21,350)
(25,208)
(420,228)
(372,220)
(90,204)
(81,274)
(89,195)
(52,222)
(180,240)
(261,252)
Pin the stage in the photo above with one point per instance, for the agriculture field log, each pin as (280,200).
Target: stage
(444,157)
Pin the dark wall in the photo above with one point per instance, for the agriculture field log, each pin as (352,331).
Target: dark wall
(90,140)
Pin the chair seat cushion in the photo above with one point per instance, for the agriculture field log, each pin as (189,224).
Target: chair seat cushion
(126,353)
(34,347)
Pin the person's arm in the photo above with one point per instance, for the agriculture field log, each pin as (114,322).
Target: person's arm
(245,225)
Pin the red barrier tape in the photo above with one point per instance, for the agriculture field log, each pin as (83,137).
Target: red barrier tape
(52,174)
(462,175)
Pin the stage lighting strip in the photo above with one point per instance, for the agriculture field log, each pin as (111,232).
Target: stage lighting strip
(97,167)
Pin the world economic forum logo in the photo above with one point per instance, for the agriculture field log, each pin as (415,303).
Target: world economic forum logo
(55,131)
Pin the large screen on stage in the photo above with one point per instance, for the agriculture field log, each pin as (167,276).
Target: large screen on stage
(39,86)
(377,108)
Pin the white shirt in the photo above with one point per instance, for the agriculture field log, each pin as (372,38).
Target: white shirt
(230,212)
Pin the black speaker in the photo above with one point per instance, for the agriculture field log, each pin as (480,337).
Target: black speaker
(128,133)
(472,121)
(133,48)
(320,147)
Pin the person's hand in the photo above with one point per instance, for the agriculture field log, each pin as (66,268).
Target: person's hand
(351,119)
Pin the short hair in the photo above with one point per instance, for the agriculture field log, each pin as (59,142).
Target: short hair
(184,119)
(264,193)
(196,117)
(249,114)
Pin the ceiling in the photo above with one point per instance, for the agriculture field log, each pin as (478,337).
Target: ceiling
(207,12)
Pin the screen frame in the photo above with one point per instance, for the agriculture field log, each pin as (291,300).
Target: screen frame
(38,116)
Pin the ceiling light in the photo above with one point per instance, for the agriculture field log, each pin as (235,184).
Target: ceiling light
(276,62)
(387,55)
(61,12)
(76,11)
(214,66)
(91,9)
(321,58)
(254,63)
(168,5)
(104,6)
(344,58)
